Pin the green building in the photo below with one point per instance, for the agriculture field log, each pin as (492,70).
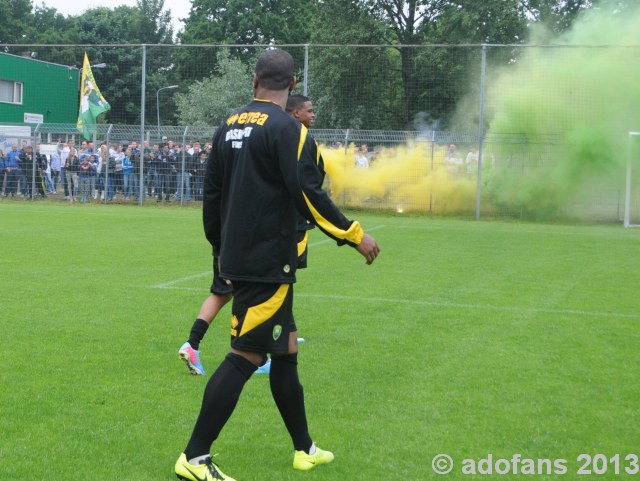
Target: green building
(32,91)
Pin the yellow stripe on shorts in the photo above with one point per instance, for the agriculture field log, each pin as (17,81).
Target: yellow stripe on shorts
(261,313)
(302,245)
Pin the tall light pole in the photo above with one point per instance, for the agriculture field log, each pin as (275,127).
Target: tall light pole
(158,103)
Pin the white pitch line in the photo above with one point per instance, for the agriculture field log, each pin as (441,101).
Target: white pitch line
(173,288)
(170,284)
(325,241)
(473,306)
(455,305)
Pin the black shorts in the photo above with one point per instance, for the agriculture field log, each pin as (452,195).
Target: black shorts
(218,285)
(262,317)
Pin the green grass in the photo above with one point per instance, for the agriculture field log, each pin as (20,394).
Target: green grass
(464,337)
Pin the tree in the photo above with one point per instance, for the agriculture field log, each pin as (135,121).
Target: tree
(352,87)
(407,23)
(120,80)
(247,22)
(428,80)
(210,100)
(450,22)
(469,21)
(240,22)
(454,72)
(557,16)
(50,26)
(15,26)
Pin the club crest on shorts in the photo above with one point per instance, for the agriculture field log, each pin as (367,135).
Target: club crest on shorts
(277,332)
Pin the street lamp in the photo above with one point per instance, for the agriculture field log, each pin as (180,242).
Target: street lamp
(158,103)
(98,65)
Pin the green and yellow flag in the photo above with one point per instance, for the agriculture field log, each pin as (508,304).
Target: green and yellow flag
(92,103)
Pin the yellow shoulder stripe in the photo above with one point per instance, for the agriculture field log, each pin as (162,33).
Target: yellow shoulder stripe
(303,137)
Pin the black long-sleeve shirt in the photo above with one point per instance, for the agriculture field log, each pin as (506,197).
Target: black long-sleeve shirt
(262,168)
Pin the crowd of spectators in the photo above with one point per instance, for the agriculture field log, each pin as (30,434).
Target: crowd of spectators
(172,172)
(456,164)
(84,173)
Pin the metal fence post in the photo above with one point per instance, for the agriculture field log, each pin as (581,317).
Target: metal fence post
(346,144)
(483,71)
(105,165)
(182,172)
(433,148)
(33,162)
(142,104)
(627,193)
(305,84)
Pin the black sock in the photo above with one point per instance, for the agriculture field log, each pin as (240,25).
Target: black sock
(220,399)
(198,331)
(289,397)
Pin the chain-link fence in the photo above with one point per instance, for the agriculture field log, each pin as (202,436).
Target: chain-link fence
(527,131)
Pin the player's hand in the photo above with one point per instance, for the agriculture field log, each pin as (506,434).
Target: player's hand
(369,248)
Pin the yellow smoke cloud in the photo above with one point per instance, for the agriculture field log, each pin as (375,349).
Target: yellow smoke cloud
(411,178)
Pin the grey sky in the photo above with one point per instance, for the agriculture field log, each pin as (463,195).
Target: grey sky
(179,8)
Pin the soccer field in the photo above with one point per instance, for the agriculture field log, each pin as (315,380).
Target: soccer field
(464,338)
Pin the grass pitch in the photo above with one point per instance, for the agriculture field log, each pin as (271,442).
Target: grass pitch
(466,338)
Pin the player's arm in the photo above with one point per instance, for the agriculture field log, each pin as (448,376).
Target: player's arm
(319,207)
(316,205)
(212,195)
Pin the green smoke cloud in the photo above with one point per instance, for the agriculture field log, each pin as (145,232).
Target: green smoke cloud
(560,116)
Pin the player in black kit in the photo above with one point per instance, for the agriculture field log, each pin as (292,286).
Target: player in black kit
(263,168)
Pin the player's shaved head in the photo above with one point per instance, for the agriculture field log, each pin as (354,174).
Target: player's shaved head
(274,70)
